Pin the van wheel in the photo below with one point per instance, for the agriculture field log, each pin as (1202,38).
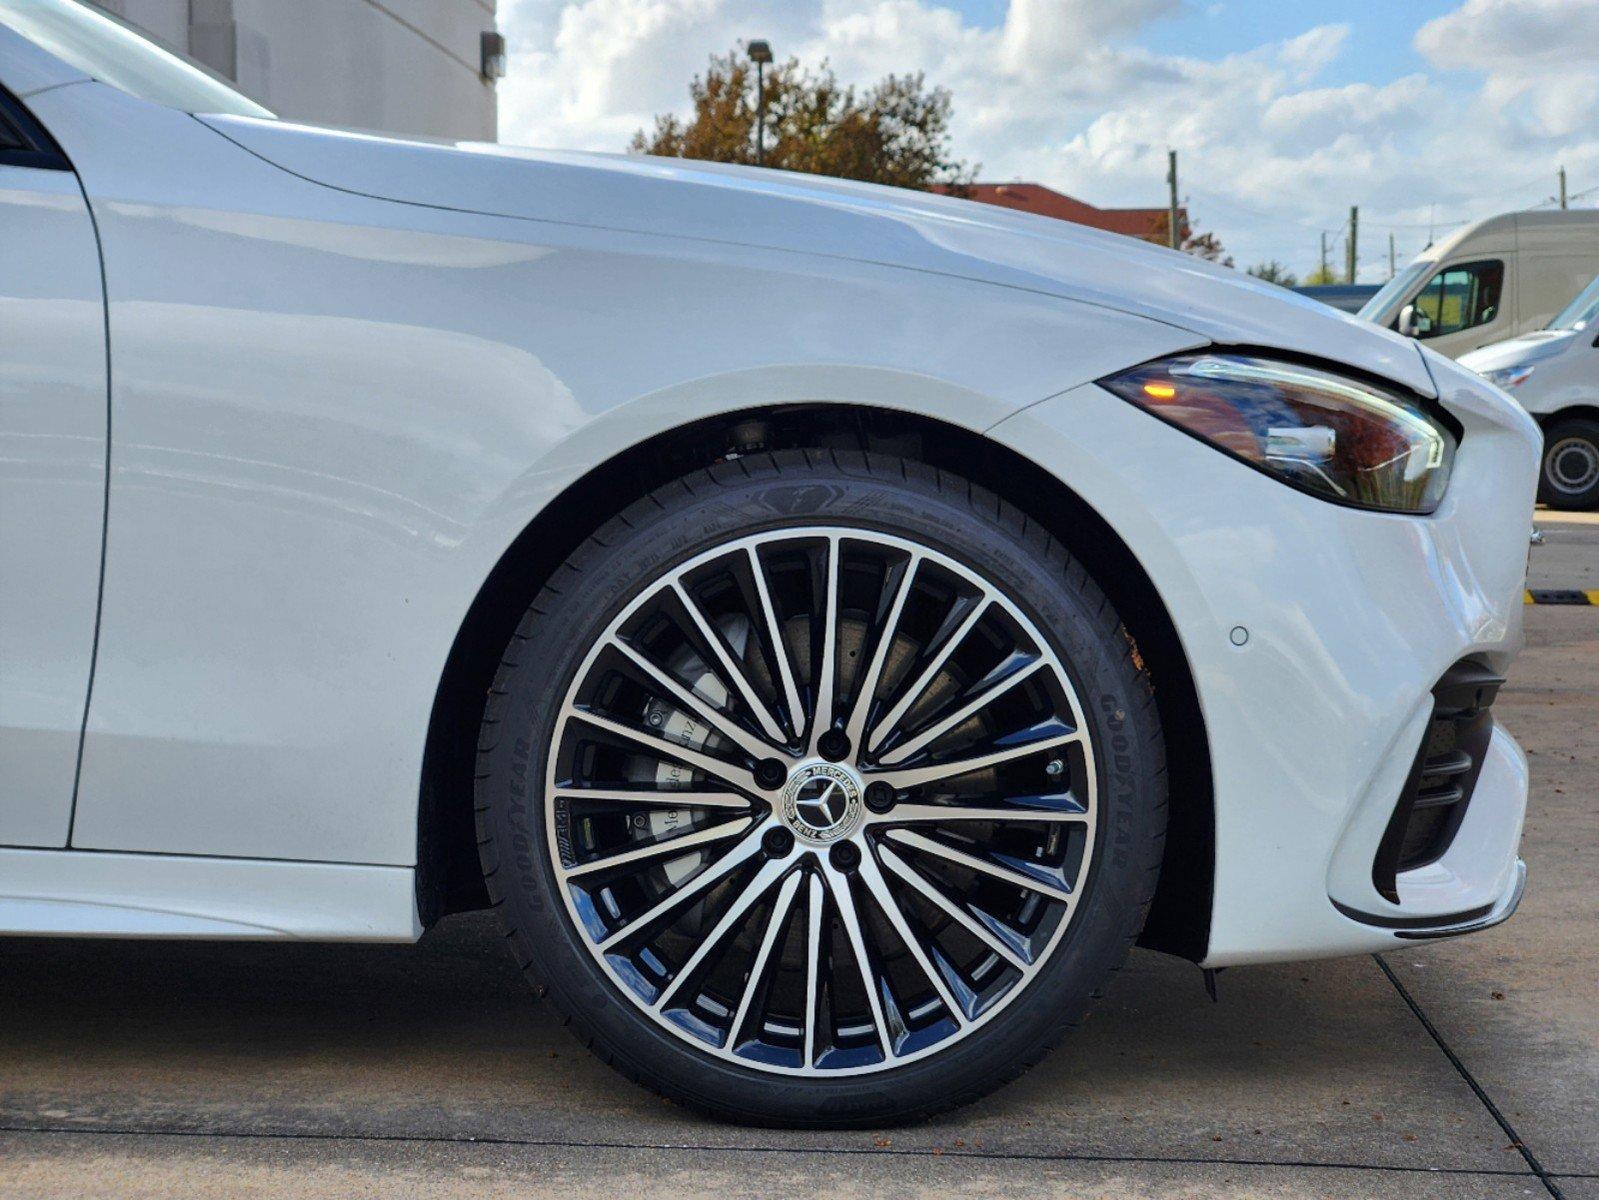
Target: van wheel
(1570,475)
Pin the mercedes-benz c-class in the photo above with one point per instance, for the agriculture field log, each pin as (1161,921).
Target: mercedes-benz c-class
(830,624)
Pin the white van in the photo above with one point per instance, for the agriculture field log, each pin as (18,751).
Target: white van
(1492,280)
(1554,373)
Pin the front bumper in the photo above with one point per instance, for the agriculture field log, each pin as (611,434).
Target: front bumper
(1502,911)
(1452,925)
(1346,620)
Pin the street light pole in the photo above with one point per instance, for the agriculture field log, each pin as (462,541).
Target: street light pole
(760,53)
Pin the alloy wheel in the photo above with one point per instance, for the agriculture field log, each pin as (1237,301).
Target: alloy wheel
(821,801)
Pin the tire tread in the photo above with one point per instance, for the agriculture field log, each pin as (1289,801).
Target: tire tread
(987,507)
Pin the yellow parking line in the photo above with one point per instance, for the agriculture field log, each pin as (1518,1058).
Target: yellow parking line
(1588,597)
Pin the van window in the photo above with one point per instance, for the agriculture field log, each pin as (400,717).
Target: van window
(1461,297)
(1389,295)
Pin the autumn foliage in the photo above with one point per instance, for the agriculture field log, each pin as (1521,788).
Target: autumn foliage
(896,132)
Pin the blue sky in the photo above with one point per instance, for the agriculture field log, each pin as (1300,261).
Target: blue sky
(1380,32)
(1426,113)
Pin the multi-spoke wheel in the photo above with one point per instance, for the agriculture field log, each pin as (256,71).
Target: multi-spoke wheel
(799,814)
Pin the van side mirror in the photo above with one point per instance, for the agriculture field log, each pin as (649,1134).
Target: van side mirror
(1413,322)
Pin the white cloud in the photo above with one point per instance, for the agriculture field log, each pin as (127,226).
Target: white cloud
(1498,35)
(1540,57)
(1314,49)
(1061,92)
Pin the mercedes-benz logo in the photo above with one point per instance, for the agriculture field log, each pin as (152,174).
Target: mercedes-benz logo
(822,802)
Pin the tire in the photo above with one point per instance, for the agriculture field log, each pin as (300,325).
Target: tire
(808,1046)
(1568,477)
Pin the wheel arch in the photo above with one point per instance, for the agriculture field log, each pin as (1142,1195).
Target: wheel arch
(448,875)
(1584,412)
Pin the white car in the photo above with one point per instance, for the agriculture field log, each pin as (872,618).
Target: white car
(830,624)
(1554,375)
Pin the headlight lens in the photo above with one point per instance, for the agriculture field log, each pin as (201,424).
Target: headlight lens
(1509,377)
(1341,438)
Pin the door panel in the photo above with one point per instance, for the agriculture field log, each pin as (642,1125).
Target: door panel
(1552,281)
(53,417)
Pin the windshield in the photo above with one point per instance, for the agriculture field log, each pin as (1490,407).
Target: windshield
(105,49)
(1390,293)
(1580,312)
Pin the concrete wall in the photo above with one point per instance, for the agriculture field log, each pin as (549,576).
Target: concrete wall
(402,66)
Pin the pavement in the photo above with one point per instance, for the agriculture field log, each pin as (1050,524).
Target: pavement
(1569,556)
(1469,1068)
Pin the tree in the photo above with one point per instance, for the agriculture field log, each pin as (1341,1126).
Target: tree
(1275,272)
(1208,247)
(1201,245)
(896,132)
(1322,276)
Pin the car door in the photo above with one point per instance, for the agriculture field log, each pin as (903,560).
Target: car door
(53,431)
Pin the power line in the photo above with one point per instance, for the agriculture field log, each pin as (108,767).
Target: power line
(1435,225)
(1563,200)
(1349,228)
(1257,214)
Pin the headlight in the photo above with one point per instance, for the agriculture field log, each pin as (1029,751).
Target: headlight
(1509,377)
(1345,439)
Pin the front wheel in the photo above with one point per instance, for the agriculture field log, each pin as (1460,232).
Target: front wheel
(1570,475)
(821,790)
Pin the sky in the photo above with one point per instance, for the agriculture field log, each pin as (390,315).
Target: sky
(1284,113)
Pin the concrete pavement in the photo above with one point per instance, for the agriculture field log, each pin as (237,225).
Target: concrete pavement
(1569,557)
(147,1069)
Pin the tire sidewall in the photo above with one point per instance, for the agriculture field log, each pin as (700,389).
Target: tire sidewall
(881,496)
(1548,493)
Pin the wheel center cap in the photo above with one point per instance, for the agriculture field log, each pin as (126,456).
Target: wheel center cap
(822,802)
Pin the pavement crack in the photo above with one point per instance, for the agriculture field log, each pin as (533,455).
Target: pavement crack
(1522,1148)
(927,1151)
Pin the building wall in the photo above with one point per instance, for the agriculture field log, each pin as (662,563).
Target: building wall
(401,66)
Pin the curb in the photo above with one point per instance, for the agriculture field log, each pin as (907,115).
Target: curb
(1589,597)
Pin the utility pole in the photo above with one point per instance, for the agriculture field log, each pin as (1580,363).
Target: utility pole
(1173,234)
(1323,275)
(1354,235)
(760,54)
(1393,264)
(1562,187)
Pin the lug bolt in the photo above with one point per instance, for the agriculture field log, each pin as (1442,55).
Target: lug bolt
(833,746)
(777,842)
(879,797)
(846,856)
(770,773)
